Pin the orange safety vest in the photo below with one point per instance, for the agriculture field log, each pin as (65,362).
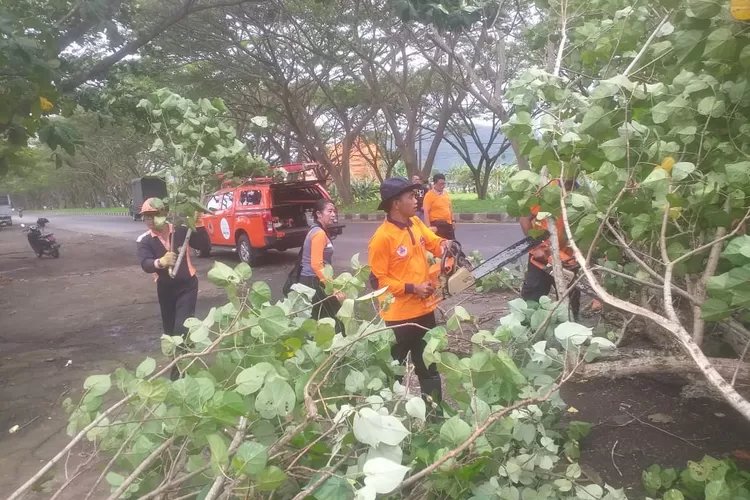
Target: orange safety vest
(541,255)
(168,246)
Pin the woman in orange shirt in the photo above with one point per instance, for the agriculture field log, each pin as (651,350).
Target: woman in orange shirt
(317,252)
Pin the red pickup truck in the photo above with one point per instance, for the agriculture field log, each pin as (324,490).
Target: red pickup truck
(261,214)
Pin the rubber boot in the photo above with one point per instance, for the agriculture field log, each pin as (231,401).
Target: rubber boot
(432,393)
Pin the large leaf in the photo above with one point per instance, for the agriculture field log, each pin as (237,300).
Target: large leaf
(97,385)
(373,428)
(276,399)
(455,431)
(382,475)
(571,332)
(250,380)
(250,458)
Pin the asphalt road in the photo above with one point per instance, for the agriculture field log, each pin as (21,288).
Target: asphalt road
(488,239)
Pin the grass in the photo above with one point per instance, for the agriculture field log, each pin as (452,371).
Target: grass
(462,203)
(91,211)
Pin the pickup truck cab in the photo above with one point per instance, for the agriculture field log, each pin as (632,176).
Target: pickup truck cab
(261,214)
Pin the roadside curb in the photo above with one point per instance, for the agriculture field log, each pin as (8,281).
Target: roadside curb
(469,217)
(370,217)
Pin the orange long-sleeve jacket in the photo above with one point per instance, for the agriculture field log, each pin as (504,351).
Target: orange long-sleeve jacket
(397,255)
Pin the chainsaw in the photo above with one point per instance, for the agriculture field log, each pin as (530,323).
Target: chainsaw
(454,273)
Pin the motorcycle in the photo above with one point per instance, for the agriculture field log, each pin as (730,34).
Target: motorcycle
(42,243)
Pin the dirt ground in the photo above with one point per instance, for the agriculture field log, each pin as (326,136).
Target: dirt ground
(94,309)
(61,320)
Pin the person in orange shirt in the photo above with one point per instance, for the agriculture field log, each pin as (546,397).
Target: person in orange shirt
(317,252)
(397,256)
(538,281)
(438,209)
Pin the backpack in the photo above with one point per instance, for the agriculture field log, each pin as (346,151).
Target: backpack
(294,274)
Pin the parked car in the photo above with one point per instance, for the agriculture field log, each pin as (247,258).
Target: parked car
(262,214)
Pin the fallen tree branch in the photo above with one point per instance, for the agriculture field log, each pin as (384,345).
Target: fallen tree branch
(480,430)
(236,442)
(660,365)
(141,468)
(736,400)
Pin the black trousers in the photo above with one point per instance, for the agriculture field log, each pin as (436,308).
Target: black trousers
(538,283)
(410,339)
(444,229)
(325,306)
(177,300)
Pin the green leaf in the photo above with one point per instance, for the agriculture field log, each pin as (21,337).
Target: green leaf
(711,106)
(270,479)
(657,176)
(273,321)
(251,458)
(455,431)
(673,495)
(355,381)
(718,490)
(704,9)
(614,149)
(715,309)
(589,491)
(244,271)
(578,430)
(219,451)
(334,488)
(661,112)
(383,475)
(681,170)
(738,250)
(97,385)
(745,57)
(525,432)
(347,309)
(594,117)
(222,275)
(415,407)
(373,428)
(250,380)
(571,332)
(276,399)
(738,173)
(146,368)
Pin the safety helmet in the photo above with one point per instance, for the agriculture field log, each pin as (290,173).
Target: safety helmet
(152,206)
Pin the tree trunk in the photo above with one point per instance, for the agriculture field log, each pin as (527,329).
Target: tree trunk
(658,364)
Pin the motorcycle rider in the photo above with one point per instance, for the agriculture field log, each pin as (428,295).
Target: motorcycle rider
(177,296)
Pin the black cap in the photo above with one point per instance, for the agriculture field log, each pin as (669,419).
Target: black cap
(394,187)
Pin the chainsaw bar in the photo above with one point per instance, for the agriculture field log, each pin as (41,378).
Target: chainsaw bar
(505,256)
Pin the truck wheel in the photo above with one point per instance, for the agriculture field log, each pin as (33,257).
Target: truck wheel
(245,250)
(203,253)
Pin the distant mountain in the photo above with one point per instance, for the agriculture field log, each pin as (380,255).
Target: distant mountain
(447,158)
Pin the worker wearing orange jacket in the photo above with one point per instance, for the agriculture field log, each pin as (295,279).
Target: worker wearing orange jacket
(538,281)
(398,260)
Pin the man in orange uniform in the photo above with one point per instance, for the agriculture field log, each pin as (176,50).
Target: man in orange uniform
(398,260)
(438,209)
(538,281)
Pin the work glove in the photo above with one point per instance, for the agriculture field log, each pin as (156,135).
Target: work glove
(167,260)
